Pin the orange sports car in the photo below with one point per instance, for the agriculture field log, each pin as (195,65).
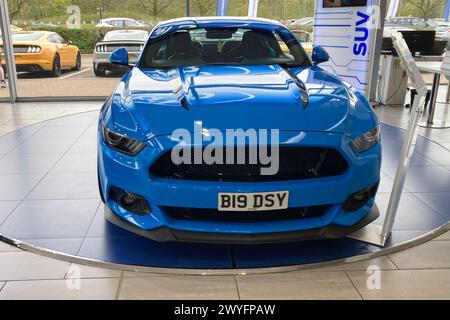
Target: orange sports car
(37,51)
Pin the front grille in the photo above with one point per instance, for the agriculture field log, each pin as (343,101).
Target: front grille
(214,215)
(295,163)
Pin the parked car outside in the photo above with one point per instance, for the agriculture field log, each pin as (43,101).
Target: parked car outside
(132,40)
(44,51)
(119,23)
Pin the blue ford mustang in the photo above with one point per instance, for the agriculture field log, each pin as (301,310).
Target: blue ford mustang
(304,161)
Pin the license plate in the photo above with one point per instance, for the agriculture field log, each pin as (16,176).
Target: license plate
(261,201)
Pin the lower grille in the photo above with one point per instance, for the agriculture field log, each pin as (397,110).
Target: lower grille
(295,163)
(214,215)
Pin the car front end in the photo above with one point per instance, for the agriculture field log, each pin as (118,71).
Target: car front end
(322,134)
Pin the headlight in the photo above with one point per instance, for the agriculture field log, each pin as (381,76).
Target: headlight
(367,140)
(122,143)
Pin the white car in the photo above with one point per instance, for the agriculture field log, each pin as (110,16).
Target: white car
(119,23)
(132,40)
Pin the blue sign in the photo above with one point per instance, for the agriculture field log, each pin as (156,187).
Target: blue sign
(447,10)
(222,7)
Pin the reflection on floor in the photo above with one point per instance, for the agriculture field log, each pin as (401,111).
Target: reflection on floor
(421,272)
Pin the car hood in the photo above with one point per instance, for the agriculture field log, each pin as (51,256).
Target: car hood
(225,97)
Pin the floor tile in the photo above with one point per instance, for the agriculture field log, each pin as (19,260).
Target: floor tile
(434,152)
(179,287)
(91,132)
(59,132)
(84,146)
(67,186)
(428,179)
(63,245)
(430,255)
(138,274)
(391,156)
(445,236)
(6,207)
(26,266)
(7,145)
(7,248)
(297,285)
(44,146)
(17,186)
(405,284)
(1,285)
(438,201)
(386,183)
(412,214)
(25,163)
(382,262)
(78,271)
(79,120)
(100,227)
(76,163)
(71,289)
(137,250)
(43,219)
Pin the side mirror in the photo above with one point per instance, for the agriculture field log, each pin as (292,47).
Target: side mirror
(120,57)
(319,55)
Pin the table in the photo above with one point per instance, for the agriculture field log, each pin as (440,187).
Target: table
(435,68)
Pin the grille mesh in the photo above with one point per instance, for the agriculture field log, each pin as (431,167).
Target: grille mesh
(295,163)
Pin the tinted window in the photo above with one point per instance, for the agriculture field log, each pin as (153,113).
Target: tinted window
(224,46)
(27,36)
(131,23)
(117,23)
(55,38)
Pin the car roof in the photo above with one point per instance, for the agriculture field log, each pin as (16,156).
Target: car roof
(127,31)
(111,19)
(44,33)
(228,20)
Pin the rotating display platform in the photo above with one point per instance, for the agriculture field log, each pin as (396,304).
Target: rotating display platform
(49,204)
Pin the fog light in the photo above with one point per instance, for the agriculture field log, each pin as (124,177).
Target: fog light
(130,201)
(358,199)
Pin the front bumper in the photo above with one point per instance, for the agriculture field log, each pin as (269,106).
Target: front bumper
(132,174)
(165,234)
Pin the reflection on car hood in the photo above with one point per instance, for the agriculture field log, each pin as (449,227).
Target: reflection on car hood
(226,97)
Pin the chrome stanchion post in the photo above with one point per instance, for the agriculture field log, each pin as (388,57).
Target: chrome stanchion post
(434,94)
(8,50)
(411,133)
(375,234)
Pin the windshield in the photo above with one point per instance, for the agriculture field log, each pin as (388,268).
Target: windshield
(119,36)
(224,46)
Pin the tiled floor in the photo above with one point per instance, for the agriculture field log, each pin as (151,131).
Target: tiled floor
(422,272)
